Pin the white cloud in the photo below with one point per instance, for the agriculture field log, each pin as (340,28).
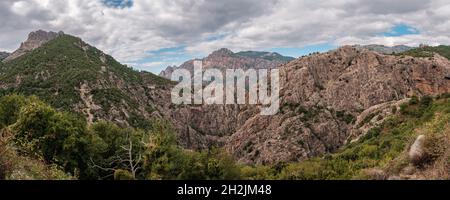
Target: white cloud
(130,33)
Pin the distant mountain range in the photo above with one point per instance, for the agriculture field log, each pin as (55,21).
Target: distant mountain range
(386,49)
(226,59)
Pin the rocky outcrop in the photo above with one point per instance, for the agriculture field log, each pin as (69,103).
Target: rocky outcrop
(35,40)
(226,59)
(417,153)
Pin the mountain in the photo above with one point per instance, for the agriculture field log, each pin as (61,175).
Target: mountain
(265,55)
(386,49)
(226,59)
(327,100)
(74,76)
(3,55)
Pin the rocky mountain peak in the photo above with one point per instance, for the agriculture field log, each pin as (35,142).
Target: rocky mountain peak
(223,52)
(35,40)
(42,36)
(226,59)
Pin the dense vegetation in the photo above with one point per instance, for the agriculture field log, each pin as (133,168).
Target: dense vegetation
(58,145)
(429,51)
(55,72)
(265,55)
(38,142)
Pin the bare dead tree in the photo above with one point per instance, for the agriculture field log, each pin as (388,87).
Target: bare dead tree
(132,159)
(129,157)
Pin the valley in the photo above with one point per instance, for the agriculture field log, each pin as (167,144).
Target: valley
(347,113)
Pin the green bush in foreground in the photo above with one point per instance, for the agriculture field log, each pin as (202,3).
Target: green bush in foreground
(102,150)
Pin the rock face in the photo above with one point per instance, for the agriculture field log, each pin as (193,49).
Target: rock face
(225,59)
(416,152)
(35,40)
(3,55)
(322,92)
(328,100)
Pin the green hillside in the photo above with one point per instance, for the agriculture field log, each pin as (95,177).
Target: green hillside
(429,51)
(265,55)
(58,145)
(56,71)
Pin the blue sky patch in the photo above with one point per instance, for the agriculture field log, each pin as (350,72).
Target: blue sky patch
(118,3)
(400,30)
(158,60)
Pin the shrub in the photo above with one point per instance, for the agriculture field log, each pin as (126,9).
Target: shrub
(9,109)
(6,154)
(123,175)
(347,118)
(394,110)
(414,100)
(426,101)
(434,147)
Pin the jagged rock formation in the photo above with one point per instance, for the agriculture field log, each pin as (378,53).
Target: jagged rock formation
(225,59)
(35,40)
(386,49)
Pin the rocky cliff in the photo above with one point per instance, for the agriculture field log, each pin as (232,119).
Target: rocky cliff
(35,40)
(326,99)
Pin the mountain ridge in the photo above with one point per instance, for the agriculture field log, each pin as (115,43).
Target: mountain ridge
(226,59)
(385,49)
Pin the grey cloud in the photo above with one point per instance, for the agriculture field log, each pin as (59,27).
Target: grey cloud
(129,33)
(197,18)
(386,7)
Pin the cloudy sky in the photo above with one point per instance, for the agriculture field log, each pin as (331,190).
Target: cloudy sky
(152,34)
